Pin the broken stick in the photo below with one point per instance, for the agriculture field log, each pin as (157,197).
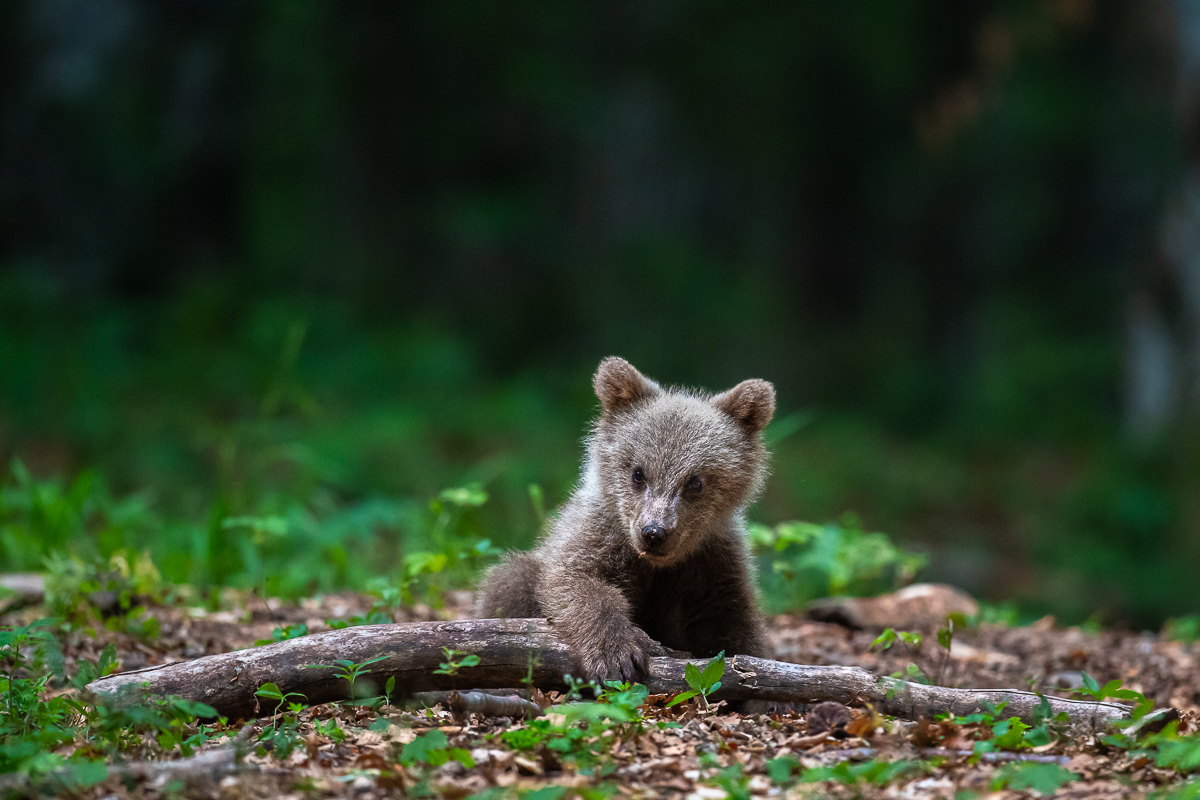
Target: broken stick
(516,652)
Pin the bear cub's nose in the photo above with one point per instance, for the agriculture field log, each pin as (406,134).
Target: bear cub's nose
(653,536)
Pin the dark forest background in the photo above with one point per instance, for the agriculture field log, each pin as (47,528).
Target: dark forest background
(322,260)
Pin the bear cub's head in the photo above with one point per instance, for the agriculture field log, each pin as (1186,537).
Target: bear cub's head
(676,464)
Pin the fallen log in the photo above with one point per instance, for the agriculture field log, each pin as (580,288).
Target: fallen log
(516,652)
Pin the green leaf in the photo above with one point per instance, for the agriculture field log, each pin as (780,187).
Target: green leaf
(470,661)
(471,495)
(682,697)
(546,793)
(1042,778)
(1089,683)
(1038,736)
(194,709)
(422,748)
(780,769)
(368,661)
(691,674)
(1010,734)
(713,673)
(269,690)
(885,639)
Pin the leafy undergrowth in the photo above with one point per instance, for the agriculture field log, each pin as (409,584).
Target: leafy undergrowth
(626,743)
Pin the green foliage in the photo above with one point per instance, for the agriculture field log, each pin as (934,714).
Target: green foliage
(350,672)
(581,733)
(734,780)
(116,591)
(271,691)
(434,750)
(1091,688)
(890,637)
(780,769)
(1184,629)
(283,633)
(42,518)
(1167,747)
(35,723)
(329,729)
(873,772)
(807,561)
(283,737)
(1044,779)
(455,660)
(1187,791)
(702,683)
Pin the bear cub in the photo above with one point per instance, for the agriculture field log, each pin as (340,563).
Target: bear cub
(651,546)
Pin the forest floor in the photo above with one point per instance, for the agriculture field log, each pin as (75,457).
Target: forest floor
(646,749)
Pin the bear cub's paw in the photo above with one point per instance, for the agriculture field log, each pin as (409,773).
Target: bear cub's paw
(620,653)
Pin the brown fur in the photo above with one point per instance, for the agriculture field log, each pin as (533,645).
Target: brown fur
(611,588)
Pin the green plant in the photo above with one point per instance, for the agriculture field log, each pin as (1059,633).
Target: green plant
(115,590)
(581,733)
(702,683)
(434,749)
(734,781)
(890,637)
(912,673)
(35,723)
(27,720)
(283,737)
(1170,750)
(1092,688)
(349,671)
(945,640)
(873,772)
(39,518)
(329,729)
(1045,779)
(283,633)
(1184,629)
(781,769)
(455,660)
(456,550)
(807,561)
(1189,790)
(272,692)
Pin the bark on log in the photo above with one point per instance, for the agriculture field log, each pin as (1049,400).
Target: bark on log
(512,651)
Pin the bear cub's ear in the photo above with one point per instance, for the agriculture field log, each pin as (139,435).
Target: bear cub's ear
(751,404)
(619,385)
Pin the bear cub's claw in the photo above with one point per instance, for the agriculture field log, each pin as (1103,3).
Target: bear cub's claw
(619,656)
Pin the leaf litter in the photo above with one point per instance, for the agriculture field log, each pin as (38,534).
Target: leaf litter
(654,749)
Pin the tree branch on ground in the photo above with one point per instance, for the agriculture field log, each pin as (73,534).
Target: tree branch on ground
(526,652)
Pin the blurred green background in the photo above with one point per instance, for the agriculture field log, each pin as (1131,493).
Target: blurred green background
(311,263)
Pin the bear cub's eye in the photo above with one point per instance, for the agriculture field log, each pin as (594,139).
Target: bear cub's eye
(639,477)
(694,485)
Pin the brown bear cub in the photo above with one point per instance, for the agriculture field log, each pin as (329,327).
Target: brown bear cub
(651,546)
